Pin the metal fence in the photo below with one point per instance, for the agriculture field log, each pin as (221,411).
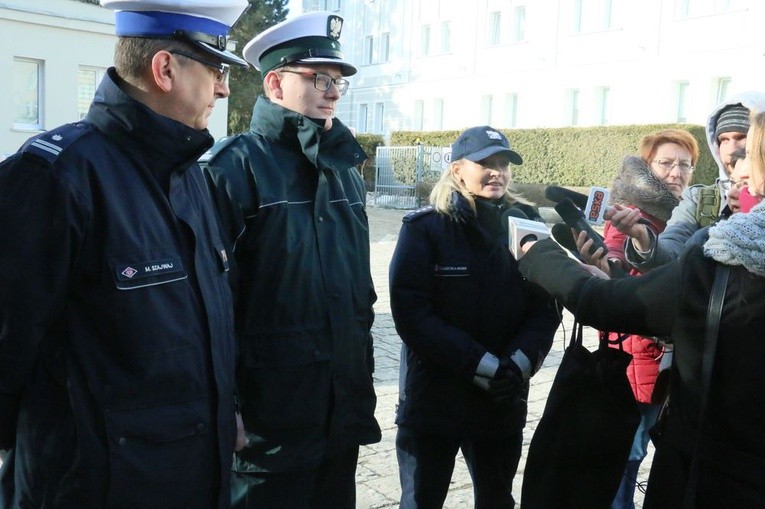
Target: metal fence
(405,175)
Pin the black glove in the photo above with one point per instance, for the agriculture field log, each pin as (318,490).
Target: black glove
(506,383)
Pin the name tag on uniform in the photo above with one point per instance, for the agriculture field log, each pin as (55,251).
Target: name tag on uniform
(152,268)
(451,270)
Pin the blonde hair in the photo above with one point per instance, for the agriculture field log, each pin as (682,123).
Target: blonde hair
(757,153)
(441,195)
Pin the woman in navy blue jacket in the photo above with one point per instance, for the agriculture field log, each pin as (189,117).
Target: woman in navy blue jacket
(475,331)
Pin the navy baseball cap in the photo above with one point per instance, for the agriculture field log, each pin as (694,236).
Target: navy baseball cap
(478,143)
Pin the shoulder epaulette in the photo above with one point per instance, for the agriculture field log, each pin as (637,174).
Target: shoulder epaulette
(416,214)
(49,145)
(213,151)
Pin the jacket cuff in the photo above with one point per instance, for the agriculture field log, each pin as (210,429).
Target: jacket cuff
(487,366)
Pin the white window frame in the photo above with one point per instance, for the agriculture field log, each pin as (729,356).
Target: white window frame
(369,47)
(379,117)
(723,86)
(681,99)
(39,104)
(519,23)
(83,102)
(572,107)
(363,117)
(602,107)
(419,115)
(446,37)
(511,109)
(494,28)
(438,114)
(385,47)
(487,101)
(425,40)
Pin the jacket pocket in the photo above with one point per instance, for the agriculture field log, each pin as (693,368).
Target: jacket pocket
(162,450)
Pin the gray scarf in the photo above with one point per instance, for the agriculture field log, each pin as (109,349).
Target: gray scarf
(740,241)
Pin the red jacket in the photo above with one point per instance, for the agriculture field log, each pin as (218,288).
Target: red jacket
(646,353)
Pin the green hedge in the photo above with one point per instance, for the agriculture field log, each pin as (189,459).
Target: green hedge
(369,143)
(573,156)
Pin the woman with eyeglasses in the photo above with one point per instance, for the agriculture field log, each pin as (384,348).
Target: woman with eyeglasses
(716,433)
(652,182)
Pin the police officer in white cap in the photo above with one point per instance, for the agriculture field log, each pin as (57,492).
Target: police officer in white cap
(116,335)
(291,198)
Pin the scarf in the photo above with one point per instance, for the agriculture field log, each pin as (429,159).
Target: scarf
(740,241)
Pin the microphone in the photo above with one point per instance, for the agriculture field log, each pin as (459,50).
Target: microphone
(561,232)
(520,229)
(594,204)
(573,217)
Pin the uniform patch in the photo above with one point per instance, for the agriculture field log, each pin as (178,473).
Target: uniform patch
(334,27)
(51,144)
(149,269)
(451,270)
(422,211)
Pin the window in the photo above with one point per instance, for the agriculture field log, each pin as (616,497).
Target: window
(88,79)
(379,117)
(519,24)
(419,115)
(486,101)
(27,94)
(438,114)
(572,107)
(602,96)
(722,89)
(363,112)
(446,35)
(511,109)
(369,44)
(495,21)
(576,16)
(606,14)
(682,101)
(425,40)
(385,47)
(333,5)
(685,8)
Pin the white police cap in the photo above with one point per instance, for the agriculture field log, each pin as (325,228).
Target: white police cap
(311,38)
(204,23)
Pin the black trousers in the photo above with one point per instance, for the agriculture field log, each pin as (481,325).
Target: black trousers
(426,464)
(331,485)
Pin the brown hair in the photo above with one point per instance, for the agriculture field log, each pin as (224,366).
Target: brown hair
(132,55)
(650,144)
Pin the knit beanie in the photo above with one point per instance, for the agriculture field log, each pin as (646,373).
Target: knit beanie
(733,118)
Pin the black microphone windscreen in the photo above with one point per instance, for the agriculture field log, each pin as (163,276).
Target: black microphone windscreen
(558,194)
(511,212)
(568,211)
(561,232)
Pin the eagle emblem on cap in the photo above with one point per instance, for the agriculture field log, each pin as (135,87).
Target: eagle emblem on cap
(334,27)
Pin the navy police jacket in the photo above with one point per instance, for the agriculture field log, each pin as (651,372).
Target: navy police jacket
(456,294)
(289,195)
(116,325)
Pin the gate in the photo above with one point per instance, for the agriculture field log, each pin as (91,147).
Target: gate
(405,175)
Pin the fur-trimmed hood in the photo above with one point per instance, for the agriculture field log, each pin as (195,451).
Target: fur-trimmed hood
(636,185)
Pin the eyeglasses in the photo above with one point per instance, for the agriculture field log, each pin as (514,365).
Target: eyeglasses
(728,184)
(667,165)
(322,82)
(221,68)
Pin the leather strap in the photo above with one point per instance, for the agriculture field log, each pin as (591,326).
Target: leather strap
(714,312)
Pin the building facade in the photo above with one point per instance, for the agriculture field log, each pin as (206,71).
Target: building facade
(449,64)
(55,53)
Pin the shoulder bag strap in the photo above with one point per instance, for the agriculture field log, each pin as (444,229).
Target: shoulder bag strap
(714,312)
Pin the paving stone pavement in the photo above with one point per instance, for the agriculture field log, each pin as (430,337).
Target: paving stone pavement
(377,473)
